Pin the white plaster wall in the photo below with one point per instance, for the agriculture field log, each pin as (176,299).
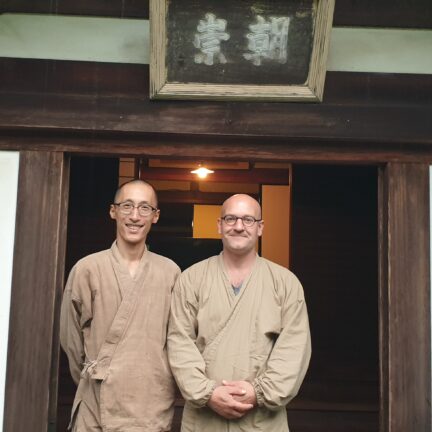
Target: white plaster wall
(120,40)
(9,165)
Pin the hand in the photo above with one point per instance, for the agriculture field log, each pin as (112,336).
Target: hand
(223,402)
(245,392)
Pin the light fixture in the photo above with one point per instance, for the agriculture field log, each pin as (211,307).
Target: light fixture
(202,171)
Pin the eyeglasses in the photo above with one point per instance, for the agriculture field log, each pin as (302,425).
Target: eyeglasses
(128,207)
(248,221)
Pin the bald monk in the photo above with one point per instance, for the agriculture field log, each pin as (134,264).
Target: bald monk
(238,339)
(113,325)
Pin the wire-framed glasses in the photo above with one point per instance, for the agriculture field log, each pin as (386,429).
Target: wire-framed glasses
(248,221)
(127,207)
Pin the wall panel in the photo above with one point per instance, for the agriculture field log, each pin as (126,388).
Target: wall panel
(36,291)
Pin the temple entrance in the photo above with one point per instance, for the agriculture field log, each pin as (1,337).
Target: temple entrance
(321,222)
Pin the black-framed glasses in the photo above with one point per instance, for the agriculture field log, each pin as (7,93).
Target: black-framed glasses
(248,221)
(128,207)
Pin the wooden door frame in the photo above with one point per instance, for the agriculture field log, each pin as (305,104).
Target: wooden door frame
(37,287)
(404,321)
(404,292)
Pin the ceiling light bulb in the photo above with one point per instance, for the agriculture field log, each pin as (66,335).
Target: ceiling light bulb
(202,172)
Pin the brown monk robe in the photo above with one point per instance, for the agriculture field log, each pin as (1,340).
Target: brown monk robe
(113,326)
(238,340)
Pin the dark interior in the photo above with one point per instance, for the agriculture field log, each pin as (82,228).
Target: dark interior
(333,252)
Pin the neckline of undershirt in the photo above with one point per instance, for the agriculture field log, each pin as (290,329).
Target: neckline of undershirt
(236,289)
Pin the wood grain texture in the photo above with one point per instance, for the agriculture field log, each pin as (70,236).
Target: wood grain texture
(228,148)
(405,298)
(390,124)
(96,80)
(62,97)
(367,13)
(36,286)
(383,278)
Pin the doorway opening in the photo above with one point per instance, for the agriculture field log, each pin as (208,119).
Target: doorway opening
(320,221)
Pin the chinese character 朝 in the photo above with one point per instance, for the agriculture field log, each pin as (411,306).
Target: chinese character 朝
(267,39)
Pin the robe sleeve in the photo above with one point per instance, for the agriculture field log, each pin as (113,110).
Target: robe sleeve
(71,322)
(186,361)
(289,359)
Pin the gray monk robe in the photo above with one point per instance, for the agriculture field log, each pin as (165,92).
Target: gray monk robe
(113,329)
(260,336)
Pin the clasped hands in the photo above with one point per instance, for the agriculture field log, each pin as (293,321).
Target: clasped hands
(233,399)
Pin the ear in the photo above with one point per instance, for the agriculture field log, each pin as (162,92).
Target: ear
(260,228)
(156,216)
(112,212)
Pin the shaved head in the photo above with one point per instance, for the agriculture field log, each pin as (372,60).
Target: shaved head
(242,200)
(137,182)
(239,239)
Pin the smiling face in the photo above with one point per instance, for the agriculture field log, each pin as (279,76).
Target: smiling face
(239,239)
(132,229)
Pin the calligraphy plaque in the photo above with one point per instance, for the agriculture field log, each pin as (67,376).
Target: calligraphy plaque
(274,50)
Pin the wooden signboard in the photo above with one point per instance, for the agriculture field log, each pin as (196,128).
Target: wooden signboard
(239,50)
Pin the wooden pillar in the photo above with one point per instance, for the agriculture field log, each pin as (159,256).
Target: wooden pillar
(37,282)
(405,325)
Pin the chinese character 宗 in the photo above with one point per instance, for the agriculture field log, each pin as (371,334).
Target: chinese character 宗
(211,32)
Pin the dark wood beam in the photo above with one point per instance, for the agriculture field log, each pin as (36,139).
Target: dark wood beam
(97,98)
(405,332)
(368,13)
(123,81)
(112,8)
(37,286)
(392,124)
(197,148)
(384,13)
(104,108)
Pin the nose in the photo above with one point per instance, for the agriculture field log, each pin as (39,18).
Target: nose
(239,226)
(135,213)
